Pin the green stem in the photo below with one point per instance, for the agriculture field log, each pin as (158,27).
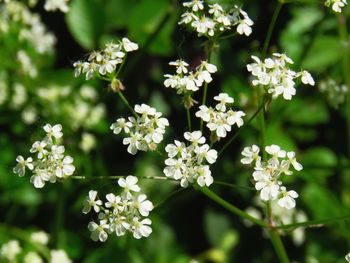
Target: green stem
(242,128)
(315,223)
(169,196)
(271,27)
(234,186)
(233,209)
(121,95)
(205,90)
(189,119)
(114,177)
(344,37)
(278,245)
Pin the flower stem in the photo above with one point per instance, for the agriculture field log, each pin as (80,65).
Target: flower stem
(240,130)
(271,27)
(121,95)
(274,235)
(230,207)
(344,37)
(278,245)
(315,223)
(205,90)
(114,177)
(189,119)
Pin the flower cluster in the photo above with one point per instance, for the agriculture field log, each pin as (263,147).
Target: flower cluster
(337,5)
(16,17)
(220,119)
(276,76)
(189,81)
(190,164)
(281,216)
(120,213)
(12,251)
(334,92)
(214,20)
(49,163)
(267,174)
(145,130)
(104,62)
(53,5)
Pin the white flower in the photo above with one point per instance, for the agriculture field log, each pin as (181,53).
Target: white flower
(32,257)
(287,200)
(196,5)
(347,257)
(194,137)
(269,190)
(59,256)
(98,231)
(53,5)
(128,45)
(223,99)
(55,131)
(178,148)
(292,160)
(204,113)
(275,151)
(244,27)
(235,117)
(39,147)
(39,178)
(306,78)
(22,164)
(181,66)
(91,202)
(143,205)
(204,25)
(204,152)
(40,237)
(10,250)
(65,168)
(251,154)
(129,184)
(275,74)
(141,228)
(204,176)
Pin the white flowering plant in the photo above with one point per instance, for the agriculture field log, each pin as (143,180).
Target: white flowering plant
(174,131)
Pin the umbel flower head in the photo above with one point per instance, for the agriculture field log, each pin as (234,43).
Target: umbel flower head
(120,214)
(276,77)
(336,5)
(267,174)
(185,80)
(105,62)
(48,162)
(220,119)
(144,131)
(213,20)
(190,163)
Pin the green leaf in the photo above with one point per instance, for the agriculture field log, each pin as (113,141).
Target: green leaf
(323,53)
(275,134)
(309,112)
(317,156)
(86,22)
(216,225)
(321,202)
(145,20)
